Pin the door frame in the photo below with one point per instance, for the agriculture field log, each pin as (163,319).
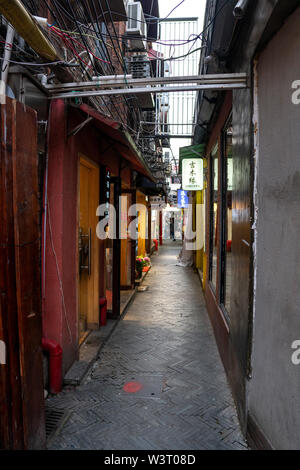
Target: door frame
(132,192)
(116,180)
(92,316)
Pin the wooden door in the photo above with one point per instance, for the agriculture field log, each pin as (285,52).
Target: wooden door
(22,420)
(88,242)
(125,242)
(128,245)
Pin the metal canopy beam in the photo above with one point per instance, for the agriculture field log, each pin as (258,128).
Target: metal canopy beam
(167,136)
(148,85)
(158,89)
(102,83)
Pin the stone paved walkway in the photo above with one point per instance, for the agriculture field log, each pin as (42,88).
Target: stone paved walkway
(166,344)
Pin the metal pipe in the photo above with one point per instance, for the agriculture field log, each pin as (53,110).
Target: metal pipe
(24,23)
(240,9)
(111,83)
(55,364)
(10,33)
(158,89)
(99,78)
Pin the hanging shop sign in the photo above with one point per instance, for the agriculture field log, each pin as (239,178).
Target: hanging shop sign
(105,179)
(182,199)
(192,174)
(191,167)
(157,201)
(192,151)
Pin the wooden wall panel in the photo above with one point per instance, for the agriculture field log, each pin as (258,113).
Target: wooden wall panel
(11,423)
(21,392)
(27,252)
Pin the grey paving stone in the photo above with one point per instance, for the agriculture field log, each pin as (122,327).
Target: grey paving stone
(166,343)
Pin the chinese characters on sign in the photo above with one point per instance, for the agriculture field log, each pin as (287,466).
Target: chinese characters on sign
(157,202)
(105,189)
(192,174)
(182,199)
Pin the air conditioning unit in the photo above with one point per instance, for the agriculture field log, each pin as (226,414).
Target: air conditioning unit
(140,67)
(136,28)
(148,120)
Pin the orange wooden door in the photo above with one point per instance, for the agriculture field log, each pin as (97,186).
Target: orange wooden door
(125,242)
(88,247)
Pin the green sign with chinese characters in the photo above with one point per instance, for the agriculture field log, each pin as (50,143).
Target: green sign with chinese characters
(192,151)
(192,174)
(191,167)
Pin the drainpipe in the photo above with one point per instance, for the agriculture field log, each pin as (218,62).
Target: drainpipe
(55,364)
(240,9)
(160,227)
(10,33)
(24,23)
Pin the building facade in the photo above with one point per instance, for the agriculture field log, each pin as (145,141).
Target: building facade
(71,170)
(251,211)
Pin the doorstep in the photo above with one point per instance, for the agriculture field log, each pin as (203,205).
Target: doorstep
(125,299)
(88,353)
(138,282)
(92,345)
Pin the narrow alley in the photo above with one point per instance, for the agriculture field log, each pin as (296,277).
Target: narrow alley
(150,221)
(163,351)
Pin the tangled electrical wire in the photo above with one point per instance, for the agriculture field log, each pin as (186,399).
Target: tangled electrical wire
(91,43)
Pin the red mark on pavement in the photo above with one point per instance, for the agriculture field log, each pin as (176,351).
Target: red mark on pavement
(132,387)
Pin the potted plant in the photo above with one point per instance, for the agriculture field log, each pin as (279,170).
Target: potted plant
(147,264)
(139,265)
(147,261)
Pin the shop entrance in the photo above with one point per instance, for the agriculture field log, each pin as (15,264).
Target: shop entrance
(88,248)
(128,245)
(112,248)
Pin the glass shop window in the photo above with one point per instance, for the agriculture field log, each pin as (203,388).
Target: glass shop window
(227,177)
(214,216)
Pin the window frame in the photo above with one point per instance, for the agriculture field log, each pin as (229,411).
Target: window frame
(214,157)
(223,220)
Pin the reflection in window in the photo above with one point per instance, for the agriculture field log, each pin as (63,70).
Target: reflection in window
(109,258)
(215,213)
(228,168)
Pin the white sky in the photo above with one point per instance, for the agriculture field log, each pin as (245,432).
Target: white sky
(187,9)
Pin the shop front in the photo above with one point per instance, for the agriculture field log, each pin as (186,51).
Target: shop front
(218,242)
(88,255)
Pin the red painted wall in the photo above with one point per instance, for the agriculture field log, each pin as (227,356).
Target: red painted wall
(60,266)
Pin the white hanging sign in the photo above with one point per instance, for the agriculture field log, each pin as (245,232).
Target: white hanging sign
(192,174)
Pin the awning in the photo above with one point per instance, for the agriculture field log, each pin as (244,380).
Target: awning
(124,142)
(192,151)
(149,187)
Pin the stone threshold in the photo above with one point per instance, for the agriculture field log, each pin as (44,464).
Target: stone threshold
(94,342)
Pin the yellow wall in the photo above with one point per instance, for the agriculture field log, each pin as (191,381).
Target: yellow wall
(125,247)
(199,224)
(142,224)
(200,229)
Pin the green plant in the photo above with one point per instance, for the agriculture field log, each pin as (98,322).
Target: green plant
(139,265)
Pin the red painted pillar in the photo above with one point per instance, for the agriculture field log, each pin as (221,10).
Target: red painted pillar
(160,228)
(59,246)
